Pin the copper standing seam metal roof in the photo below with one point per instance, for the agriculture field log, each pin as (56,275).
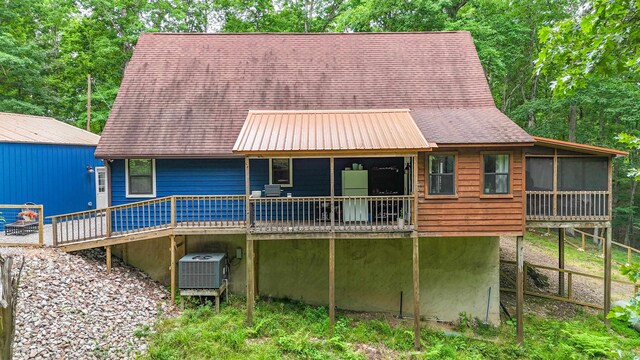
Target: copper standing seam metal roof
(336,131)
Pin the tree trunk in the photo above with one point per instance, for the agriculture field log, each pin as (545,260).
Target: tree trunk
(627,234)
(8,299)
(573,117)
(601,118)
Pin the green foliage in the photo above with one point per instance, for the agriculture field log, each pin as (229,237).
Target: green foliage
(289,330)
(602,38)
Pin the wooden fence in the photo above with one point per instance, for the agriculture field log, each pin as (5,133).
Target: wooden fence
(12,223)
(630,250)
(565,295)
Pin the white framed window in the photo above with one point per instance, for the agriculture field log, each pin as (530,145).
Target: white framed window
(140,178)
(281,172)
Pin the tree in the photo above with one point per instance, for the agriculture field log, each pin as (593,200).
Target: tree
(8,298)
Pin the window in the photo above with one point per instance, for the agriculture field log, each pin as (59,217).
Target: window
(281,172)
(496,177)
(442,175)
(141,180)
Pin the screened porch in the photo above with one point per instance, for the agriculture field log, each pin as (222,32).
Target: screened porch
(567,185)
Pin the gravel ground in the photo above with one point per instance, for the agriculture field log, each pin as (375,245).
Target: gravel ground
(29,238)
(69,308)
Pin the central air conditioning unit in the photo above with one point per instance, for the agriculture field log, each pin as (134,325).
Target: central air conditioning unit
(202,271)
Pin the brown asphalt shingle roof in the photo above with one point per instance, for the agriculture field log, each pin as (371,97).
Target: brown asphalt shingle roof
(187,95)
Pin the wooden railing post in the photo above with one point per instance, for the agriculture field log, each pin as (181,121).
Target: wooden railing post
(583,242)
(569,285)
(173,211)
(41,225)
(54,230)
(107,220)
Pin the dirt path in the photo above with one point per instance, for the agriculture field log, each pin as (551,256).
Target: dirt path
(584,289)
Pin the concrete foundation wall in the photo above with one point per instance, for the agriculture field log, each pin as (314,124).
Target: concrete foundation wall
(455,273)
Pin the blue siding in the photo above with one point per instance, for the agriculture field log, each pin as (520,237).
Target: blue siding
(222,177)
(185,177)
(310,176)
(48,174)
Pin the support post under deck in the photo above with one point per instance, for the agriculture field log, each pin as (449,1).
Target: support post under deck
(561,235)
(332,284)
(172,268)
(416,291)
(607,275)
(250,280)
(108,249)
(520,289)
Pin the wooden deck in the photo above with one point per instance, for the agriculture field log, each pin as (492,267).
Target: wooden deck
(271,218)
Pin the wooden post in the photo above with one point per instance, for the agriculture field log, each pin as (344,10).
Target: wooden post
(555,183)
(107,214)
(172,267)
(247,190)
(41,225)
(250,286)
(628,255)
(520,289)
(88,102)
(607,275)
(54,230)
(173,212)
(416,291)
(561,236)
(414,191)
(332,286)
(332,181)
(583,242)
(108,248)
(569,286)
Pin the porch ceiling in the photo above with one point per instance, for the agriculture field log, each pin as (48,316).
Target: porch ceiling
(326,131)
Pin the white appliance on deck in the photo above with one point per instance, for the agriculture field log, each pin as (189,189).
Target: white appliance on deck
(355,183)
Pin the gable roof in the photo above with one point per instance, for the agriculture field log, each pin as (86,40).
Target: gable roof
(279,132)
(18,128)
(187,95)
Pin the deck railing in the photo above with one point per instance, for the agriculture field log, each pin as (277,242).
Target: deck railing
(268,215)
(568,205)
(179,211)
(319,214)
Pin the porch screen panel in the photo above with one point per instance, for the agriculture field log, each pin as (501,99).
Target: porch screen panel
(539,174)
(583,174)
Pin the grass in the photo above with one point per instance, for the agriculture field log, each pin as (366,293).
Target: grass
(590,260)
(289,330)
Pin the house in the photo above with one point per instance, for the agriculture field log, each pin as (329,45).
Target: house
(50,163)
(395,173)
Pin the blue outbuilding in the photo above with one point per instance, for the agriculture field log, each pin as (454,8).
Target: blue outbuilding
(49,162)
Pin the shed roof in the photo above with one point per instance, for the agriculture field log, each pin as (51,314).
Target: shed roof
(330,131)
(187,95)
(18,128)
(567,145)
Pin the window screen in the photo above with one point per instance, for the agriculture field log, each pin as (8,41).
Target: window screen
(140,176)
(496,174)
(583,174)
(539,174)
(442,175)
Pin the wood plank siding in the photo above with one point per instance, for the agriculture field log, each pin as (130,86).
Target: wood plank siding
(469,212)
